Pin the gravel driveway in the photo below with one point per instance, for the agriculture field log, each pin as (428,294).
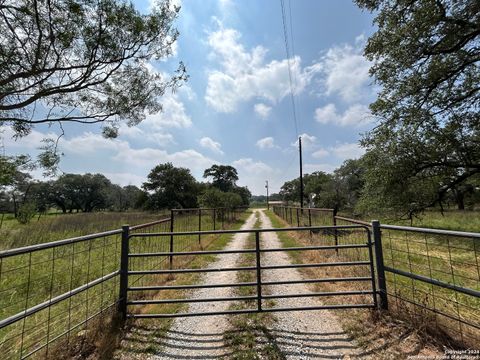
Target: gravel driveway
(313,334)
(299,335)
(202,337)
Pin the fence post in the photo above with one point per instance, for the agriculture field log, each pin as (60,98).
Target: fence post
(122,296)
(298,217)
(291,216)
(172,219)
(335,229)
(223,216)
(259,271)
(382,284)
(200,226)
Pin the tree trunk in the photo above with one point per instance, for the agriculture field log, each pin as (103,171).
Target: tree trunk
(460,199)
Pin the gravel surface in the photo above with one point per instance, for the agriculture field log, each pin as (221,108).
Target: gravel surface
(299,334)
(201,337)
(313,334)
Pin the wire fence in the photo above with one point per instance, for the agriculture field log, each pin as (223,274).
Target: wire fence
(52,291)
(432,275)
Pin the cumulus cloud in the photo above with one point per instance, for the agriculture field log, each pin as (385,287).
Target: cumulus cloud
(121,152)
(345,71)
(348,151)
(208,143)
(308,141)
(266,143)
(262,110)
(245,74)
(173,115)
(356,115)
(320,154)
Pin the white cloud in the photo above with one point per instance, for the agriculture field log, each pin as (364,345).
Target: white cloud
(348,151)
(252,166)
(308,141)
(262,110)
(173,114)
(254,173)
(246,75)
(208,143)
(159,138)
(345,71)
(356,115)
(266,143)
(320,154)
(120,151)
(125,179)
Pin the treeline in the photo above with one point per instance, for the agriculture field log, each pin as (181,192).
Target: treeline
(351,188)
(166,187)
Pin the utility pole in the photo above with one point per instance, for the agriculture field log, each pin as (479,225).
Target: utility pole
(301,172)
(266,185)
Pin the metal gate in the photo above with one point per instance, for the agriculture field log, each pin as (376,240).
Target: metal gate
(167,268)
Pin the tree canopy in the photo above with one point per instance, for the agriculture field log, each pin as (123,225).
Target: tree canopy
(425,58)
(224,176)
(82,61)
(171,187)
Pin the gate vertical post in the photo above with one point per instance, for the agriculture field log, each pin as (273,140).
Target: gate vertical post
(291,216)
(122,296)
(200,226)
(172,224)
(223,219)
(298,217)
(382,283)
(259,271)
(335,232)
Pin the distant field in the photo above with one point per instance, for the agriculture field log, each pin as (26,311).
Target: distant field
(449,220)
(56,227)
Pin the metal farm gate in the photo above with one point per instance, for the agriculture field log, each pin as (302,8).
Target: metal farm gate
(138,295)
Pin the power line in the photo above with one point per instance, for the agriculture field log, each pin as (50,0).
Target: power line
(295,82)
(287,49)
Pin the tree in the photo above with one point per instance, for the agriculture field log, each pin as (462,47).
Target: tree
(224,176)
(426,60)
(290,191)
(244,194)
(171,187)
(350,179)
(82,61)
(215,198)
(84,193)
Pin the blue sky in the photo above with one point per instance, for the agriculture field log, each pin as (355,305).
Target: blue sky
(236,107)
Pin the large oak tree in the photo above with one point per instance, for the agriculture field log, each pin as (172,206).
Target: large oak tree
(426,57)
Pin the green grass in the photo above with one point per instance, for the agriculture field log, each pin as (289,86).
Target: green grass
(450,259)
(154,330)
(51,228)
(29,279)
(449,220)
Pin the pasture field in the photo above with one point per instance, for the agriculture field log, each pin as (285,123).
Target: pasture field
(29,279)
(448,314)
(62,226)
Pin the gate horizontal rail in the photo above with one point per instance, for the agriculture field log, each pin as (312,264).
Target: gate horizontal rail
(259,268)
(252,311)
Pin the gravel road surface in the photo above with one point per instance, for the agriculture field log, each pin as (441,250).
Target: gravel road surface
(202,337)
(313,334)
